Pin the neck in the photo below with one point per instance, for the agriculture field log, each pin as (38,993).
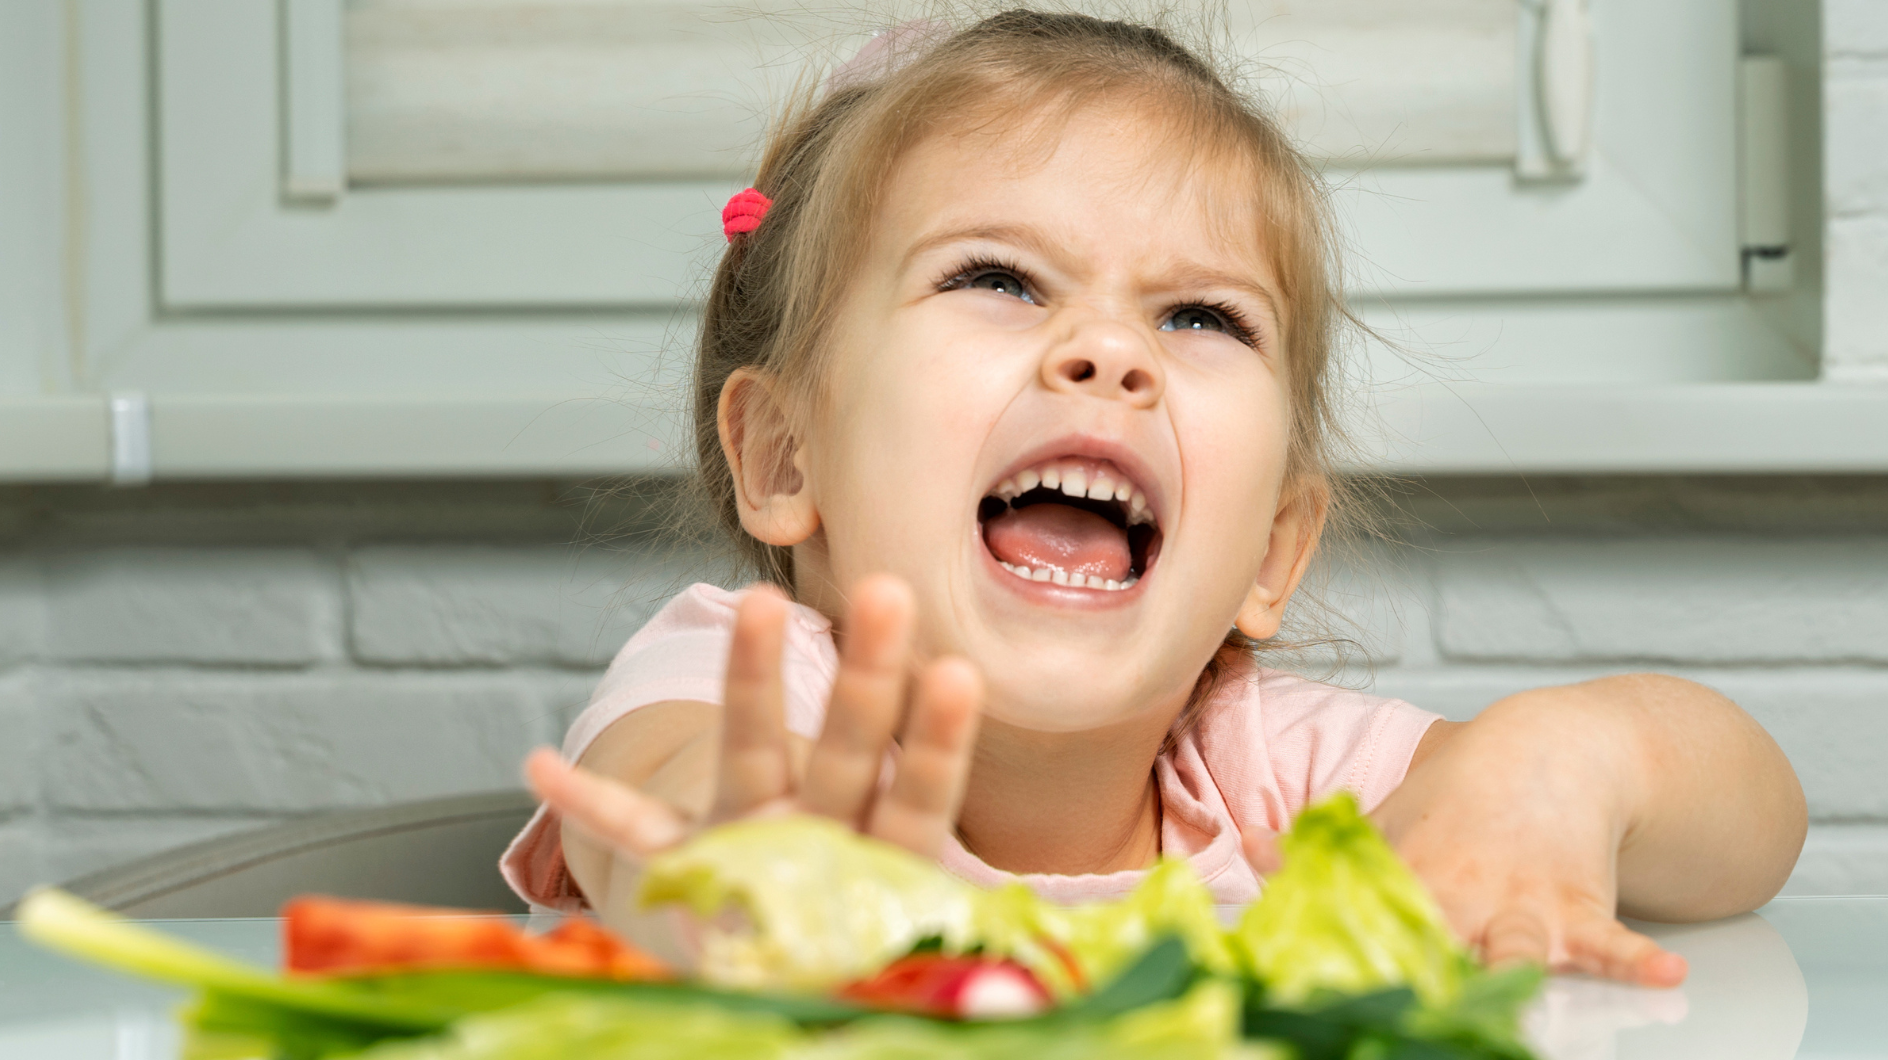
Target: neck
(1064,803)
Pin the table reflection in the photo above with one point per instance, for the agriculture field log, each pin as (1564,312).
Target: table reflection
(1745,998)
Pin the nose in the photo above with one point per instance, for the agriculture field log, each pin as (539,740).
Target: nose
(1106,359)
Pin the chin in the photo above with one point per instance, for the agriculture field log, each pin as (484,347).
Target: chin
(1076,693)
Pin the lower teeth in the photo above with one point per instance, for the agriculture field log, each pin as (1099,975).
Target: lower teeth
(1061,577)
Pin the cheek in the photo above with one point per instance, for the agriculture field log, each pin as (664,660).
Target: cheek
(930,387)
(1235,445)
(905,425)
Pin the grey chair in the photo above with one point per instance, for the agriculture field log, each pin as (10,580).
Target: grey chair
(436,852)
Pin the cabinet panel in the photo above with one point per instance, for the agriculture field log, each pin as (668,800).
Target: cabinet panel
(1654,210)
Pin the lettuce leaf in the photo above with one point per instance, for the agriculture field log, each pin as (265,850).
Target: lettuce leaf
(806,903)
(1346,916)
(1104,936)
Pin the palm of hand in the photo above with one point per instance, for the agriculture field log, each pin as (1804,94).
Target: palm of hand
(757,772)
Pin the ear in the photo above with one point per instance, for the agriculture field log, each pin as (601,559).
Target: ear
(768,463)
(1295,530)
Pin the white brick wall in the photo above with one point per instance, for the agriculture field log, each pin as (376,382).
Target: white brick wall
(228,606)
(1855,182)
(183,662)
(1665,600)
(197,742)
(487,605)
(321,647)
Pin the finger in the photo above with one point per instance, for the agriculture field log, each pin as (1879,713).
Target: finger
(1261,850)
(616,814)
(868,695)
(919,809)
(753,766)
(1515,935)
(1606,947)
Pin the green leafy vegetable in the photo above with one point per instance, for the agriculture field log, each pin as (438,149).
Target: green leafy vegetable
(1344,957)
(1161,973)
(1486,1015)
(244,1011)
(815,904)
(566,1026)
(59,921)
(1346,916)
(820,903)
(1102,936)
(1337,1030)
(1202,1024)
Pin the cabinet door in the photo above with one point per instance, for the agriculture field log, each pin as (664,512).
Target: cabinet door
(575,154)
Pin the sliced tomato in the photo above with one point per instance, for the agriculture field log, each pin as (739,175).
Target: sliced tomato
(335,936)
(935,984)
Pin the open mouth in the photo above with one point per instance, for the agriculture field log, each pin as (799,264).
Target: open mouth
(1071,521)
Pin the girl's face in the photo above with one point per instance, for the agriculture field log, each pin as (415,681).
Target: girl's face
(1057,408)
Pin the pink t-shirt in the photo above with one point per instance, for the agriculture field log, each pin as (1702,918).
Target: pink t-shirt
(1265,745)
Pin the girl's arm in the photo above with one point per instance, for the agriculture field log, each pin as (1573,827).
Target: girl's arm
(1556,810)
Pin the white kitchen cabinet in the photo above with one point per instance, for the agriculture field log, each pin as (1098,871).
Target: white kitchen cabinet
(420,237)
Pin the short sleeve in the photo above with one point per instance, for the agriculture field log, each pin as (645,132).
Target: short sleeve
(1271,743)
(1323,739)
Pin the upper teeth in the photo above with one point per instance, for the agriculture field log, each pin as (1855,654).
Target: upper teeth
(1074,482)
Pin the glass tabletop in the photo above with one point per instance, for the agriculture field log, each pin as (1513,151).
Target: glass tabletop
(1802,977)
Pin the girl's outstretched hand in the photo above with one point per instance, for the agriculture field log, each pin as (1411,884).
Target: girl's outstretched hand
(1523,862)
(875,697)
(1536,823)
(1515,823)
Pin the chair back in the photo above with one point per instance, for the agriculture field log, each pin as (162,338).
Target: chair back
(436,852)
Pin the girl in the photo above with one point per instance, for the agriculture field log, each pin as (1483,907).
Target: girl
(1022,387)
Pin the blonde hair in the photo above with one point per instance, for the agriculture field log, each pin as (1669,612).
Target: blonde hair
(777,291)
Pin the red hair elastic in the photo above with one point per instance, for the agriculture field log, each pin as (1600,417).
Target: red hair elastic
(743,212)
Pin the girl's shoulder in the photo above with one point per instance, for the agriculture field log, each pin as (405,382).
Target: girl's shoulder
(682,653)
(702,616)
(1281,699)
(1303,739)
(706,608)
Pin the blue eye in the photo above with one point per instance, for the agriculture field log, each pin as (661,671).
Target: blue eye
(1194,318)
(988,274)
(1001,282)
(1219,317)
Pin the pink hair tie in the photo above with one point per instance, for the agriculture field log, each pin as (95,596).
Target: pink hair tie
(743,212)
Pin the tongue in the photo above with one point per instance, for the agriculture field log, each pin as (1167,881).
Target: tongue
(1059,537)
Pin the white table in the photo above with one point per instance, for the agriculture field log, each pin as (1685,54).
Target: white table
(1803,977)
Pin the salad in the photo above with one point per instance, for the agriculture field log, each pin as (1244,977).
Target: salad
(815,943)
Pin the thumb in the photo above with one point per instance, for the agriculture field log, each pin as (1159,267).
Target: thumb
(1261,850)
(614,814)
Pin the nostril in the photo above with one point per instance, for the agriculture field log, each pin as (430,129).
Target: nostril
(1078,371)
(1137,382)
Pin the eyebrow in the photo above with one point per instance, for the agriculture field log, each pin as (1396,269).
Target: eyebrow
(1183,275)
(1024,236)
(1189,275)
